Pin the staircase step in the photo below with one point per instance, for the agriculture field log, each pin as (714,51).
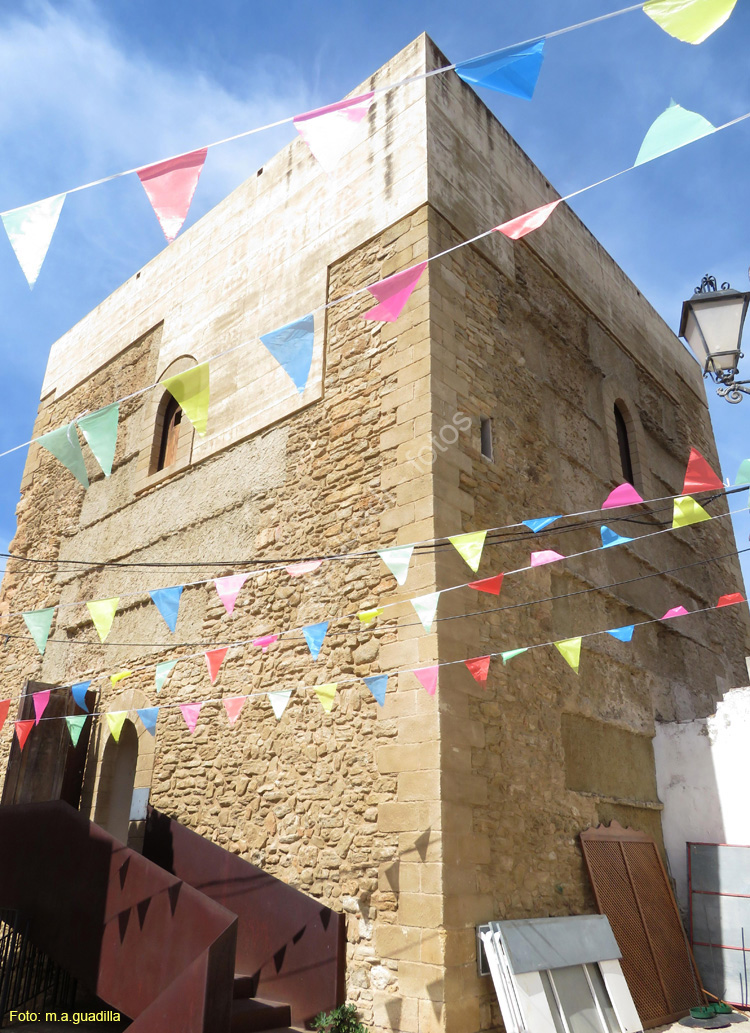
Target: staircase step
(244,986)
(255,1015)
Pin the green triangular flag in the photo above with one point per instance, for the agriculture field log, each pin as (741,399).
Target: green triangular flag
(39,622)
(102,614)
(743,474)
(75,726)
(100,431)
(674,128)
(570,648)
(162,670)
(190,390)
(115,722)
(691,21)
(469,547)
(688,511)
(510,653)
(64,445)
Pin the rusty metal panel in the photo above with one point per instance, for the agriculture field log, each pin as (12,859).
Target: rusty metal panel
(632,890)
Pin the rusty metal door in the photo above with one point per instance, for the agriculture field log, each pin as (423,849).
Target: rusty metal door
(632,890)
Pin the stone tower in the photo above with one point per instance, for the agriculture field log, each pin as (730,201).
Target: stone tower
(519,382)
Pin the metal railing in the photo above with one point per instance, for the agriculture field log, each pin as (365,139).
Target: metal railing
(27,976)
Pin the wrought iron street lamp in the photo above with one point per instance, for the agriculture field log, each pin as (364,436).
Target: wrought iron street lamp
(711,324)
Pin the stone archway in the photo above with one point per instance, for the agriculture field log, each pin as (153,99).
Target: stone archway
(116,782)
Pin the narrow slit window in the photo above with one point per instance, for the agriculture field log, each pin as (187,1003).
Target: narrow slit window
(486,436)
(623,444)
(170,435)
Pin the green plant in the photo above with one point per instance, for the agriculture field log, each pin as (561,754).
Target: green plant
(341,1020)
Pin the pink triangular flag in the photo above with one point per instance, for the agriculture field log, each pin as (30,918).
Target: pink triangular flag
(331,131)
(214,658)
(303,567)
(393,293)
(676,611)
(170,186)
(479,667)
(428,677)
(546,556)
(623,495)
(265,641)
(233,705)
(523,224)
(22,731)
(41,699)
(699,476)
(228,589)
(190,712)
(491,585)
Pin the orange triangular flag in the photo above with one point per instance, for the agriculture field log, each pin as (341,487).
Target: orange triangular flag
(699,476)
(214,658)
(22,731)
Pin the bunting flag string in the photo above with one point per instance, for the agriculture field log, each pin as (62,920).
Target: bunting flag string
(333,130)
(569,648)
(424,606)
(625,633)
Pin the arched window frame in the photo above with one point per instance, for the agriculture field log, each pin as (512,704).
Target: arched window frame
(155,462)
(616,398)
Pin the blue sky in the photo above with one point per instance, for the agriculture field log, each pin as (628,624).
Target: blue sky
(92,88)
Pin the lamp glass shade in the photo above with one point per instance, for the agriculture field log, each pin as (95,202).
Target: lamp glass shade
(712,326)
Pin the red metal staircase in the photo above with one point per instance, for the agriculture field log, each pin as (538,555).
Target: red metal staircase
(185,937)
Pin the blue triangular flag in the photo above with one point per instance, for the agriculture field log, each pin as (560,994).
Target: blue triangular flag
(624,634)
(167,601)
(148,716)
(540,523)
(610,537)
(513,70)
(377,683)
(292,347)
(79,691)
(314,635)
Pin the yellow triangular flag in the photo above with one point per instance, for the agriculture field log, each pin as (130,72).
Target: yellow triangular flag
(102,614)
(326,694)
(469,547)
(190,389)
(691,21)
(114,678)
(570,648)
(366,616)
(688,511)
(115,721)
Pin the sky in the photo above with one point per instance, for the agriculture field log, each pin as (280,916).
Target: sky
(92,88)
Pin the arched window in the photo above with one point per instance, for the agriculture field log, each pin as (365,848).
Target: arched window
(623,444)
(170,433)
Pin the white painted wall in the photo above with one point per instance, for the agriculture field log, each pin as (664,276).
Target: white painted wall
(703,779)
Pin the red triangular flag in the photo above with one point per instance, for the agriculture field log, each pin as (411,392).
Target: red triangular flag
(4,708)
(491,585)
(699,476)
(214,659)
(479,667)
(523,224)
(170,186)
(22,731)
(233,705)
(725,600)
(393,293)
